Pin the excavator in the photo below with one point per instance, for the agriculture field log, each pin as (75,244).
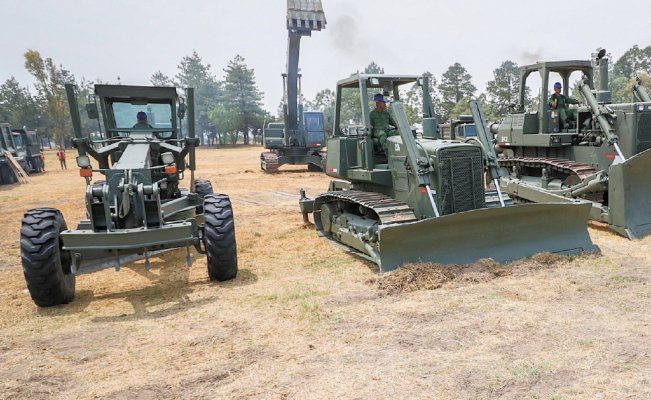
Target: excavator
(300,139)
(426,199)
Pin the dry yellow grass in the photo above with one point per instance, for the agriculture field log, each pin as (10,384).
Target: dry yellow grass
(306,320)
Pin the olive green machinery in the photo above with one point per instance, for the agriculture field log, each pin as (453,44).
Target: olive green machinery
(30,144)
(601,156)
(301,137)
(13,143)
(139,208)
(426,199)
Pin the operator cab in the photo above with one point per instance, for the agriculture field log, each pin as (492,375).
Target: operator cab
(121,104)
(355,102)
(314,128)
(540,78)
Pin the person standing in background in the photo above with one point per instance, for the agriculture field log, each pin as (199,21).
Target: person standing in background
(61,155)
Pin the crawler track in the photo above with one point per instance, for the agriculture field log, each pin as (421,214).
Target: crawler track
(269,162)
(385,209)
(567,167)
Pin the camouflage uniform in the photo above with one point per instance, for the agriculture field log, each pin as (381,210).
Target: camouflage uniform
(561,105)
(380,121)
(142,125)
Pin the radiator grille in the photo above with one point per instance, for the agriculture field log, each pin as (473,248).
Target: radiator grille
(643,131)
(461,183)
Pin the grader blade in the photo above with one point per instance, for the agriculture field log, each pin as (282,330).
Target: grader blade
(629,191)
(503,234)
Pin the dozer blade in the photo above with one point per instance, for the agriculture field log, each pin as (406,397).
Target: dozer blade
(503,234)
(629,196)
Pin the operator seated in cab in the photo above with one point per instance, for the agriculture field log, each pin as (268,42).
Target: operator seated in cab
(382,123)
(558,101)
(142,121)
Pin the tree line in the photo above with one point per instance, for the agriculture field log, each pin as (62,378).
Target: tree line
(230,108)
(225,110)
(452,92)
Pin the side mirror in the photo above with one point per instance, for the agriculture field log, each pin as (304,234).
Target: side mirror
(182,109)
(91,111)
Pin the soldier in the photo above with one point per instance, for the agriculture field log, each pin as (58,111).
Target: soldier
(142,121)
(559,102)
(381,121)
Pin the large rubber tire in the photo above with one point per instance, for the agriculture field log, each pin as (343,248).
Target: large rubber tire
(8,176)
(219,237)
(45,265)
(202,187)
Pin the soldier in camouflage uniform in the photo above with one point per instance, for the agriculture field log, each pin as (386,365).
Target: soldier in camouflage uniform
(381,121)
(559,102)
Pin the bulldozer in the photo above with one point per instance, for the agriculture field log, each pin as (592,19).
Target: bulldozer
(600,154)
(300,138)
(426,199)
(139,208)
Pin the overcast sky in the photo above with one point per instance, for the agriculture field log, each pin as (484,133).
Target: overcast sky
(132,39)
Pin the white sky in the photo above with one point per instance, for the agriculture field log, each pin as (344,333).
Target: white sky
(133,39)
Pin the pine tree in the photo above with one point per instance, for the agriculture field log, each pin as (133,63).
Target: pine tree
(504,89)
(242,97)
(456,83)
(160,79)
(192,72)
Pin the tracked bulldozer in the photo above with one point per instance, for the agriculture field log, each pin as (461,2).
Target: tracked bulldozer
(139,207)
(426,199)
(601,155)
(300,138)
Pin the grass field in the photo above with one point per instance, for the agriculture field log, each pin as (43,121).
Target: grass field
(304,320)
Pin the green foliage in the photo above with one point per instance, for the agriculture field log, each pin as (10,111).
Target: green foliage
(17,106)
(456,83)
(462,107)
(85,90)
(224,121)
(618,91)
(373,68)
(50,81)
(324,101)
(504,89)
(192,72)
(242,98)
(632,61)
(413,100)
(160,79)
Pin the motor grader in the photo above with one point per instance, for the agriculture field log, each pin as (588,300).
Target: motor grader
(138,207)
(602,155)
(426,199)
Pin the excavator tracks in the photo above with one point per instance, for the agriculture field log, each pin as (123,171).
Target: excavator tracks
(567,167)
(386,209)
(269,162)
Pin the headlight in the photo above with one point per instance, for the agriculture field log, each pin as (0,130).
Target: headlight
(83,161)
(168,158)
